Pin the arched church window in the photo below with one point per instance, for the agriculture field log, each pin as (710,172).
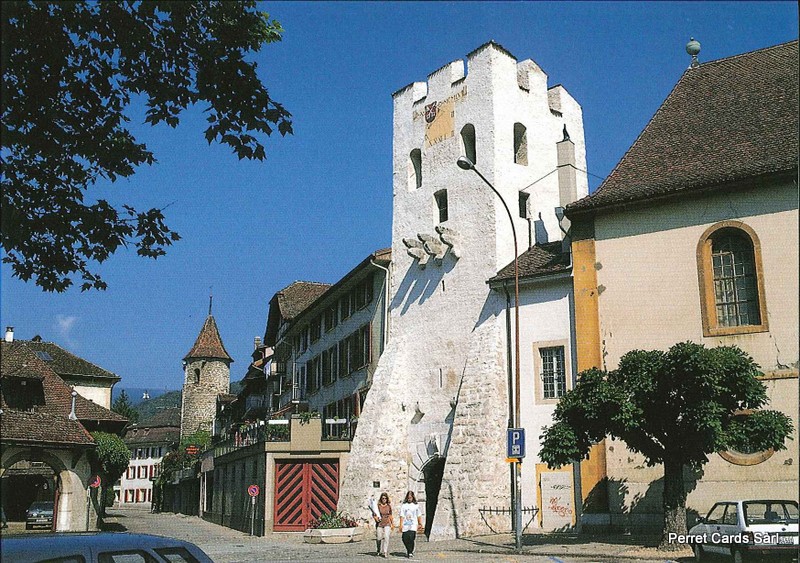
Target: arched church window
(731,280)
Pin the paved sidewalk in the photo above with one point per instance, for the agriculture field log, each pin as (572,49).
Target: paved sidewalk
(224,545)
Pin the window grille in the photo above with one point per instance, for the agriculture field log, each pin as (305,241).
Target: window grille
(554,375)
(735,281)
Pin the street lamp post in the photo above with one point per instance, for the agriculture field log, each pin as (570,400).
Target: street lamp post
(466,164)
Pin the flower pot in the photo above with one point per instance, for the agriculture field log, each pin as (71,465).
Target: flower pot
(333,535)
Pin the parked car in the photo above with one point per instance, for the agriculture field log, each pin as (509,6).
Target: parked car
(40,513)
(747,529)
(99,547)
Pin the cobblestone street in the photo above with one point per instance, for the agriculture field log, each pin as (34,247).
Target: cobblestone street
(225,545)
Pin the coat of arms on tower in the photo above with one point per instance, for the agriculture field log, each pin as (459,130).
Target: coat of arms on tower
(430,112)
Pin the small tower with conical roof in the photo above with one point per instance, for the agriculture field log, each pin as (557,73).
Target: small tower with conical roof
(207,374)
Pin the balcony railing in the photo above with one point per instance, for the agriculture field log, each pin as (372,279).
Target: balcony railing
(339,428)
(243,435)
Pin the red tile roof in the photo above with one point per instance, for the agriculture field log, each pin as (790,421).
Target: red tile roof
(725,121)
(65,363)
(208,343)
(48,422)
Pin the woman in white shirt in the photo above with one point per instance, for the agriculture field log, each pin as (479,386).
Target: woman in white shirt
(410,521)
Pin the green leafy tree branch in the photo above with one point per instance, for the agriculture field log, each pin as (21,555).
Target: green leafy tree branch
(70,70)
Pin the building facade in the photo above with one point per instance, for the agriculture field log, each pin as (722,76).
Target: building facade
(693,237)
(331,348)
(45,440)
(149,441)
(439,398)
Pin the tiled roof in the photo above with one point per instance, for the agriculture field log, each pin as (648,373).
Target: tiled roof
(158,435)
(208,343)
(19,357)
(162,427)
(539,260)
(48,422)
(293,299)
(64,362)
(41,427)
(727,120)
(164,417)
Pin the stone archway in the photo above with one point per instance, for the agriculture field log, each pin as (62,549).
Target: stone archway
(67,474)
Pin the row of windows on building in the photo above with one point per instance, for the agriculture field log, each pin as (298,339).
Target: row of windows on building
(143,471)
(147,453)
(354,300)
(343,358)
(338,416)
(131,496)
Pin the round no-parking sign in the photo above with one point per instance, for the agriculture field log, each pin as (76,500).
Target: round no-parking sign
(95,482)
(253,490)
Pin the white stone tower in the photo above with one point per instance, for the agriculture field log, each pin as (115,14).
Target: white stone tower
(207,374)
(435,418)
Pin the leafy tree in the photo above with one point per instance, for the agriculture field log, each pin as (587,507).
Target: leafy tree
(70,71)
(111,457)
(123,407)
(675,408)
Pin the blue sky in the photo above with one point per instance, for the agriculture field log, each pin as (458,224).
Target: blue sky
(322,199)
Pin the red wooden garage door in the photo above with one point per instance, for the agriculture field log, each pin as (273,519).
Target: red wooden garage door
(303,491)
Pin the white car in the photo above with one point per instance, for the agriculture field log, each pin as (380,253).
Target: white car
(747,529)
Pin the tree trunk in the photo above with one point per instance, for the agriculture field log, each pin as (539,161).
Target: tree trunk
(674,506)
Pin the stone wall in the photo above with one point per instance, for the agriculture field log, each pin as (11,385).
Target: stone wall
(199,402)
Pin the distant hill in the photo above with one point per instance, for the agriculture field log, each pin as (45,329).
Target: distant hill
(159,399)
(136,394)
(150,407)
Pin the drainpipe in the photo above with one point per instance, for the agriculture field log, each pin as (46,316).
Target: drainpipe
(510,377)
(530,231)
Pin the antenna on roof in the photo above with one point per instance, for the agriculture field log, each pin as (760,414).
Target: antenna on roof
(693,48)
(210,298)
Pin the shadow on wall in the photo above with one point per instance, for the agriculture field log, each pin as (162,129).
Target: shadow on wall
(418,284)
(610,506)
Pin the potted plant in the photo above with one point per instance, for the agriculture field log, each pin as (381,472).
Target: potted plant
(334,527)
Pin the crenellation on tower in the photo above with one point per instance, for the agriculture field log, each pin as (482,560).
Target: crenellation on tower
(441,81)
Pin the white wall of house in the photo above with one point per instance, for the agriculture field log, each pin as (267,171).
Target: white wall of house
(136,485)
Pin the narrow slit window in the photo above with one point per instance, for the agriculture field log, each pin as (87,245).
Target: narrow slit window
(441,204)
(415,169)
(523,204)
(468,142)
(520,144)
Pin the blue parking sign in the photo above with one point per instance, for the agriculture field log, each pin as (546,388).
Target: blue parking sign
(515,446)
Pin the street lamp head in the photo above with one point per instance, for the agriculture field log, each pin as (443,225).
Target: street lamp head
(464,163)
(559,213)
